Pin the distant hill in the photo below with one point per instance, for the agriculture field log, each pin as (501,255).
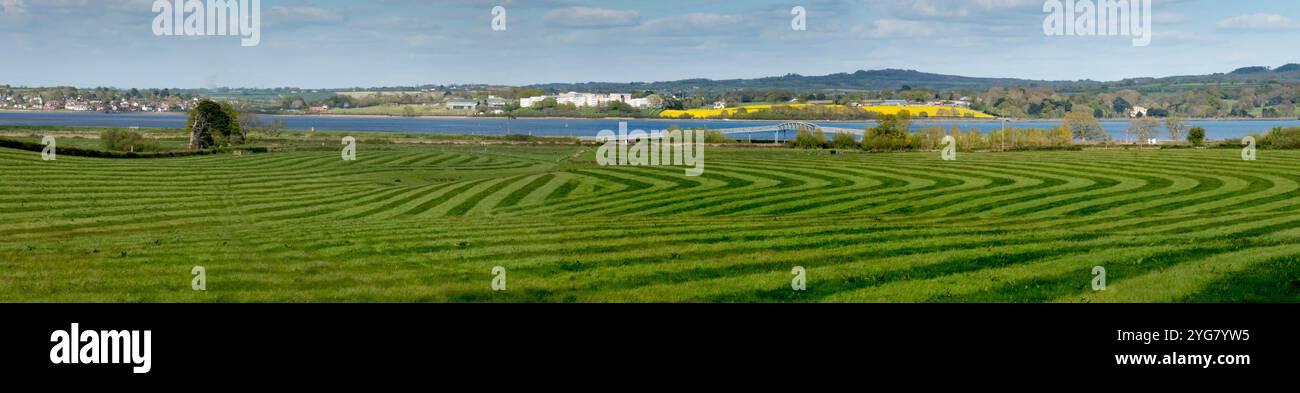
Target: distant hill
(1250,70)
(892,79)
(860,80)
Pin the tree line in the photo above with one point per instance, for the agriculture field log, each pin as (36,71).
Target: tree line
(894,133)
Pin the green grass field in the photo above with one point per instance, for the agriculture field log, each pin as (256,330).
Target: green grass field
(427,223)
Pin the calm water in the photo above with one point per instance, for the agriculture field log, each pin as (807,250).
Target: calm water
(550,127)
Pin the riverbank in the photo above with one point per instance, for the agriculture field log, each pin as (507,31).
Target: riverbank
(571,127)
(656,119)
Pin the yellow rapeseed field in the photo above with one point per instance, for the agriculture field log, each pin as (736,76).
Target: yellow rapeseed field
(931,111)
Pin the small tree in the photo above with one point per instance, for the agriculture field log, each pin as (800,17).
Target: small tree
(126,141)
(1176,127)
(1060,136)
(807,139)
(843,140)
(1085,127)
(1142,129)
(1196,136)
(888,134)
(276,128)
(248,121)
(905,121)
(714,136)
(1281,138)
(1121,106)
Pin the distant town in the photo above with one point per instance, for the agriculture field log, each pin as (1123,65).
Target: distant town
(93,103)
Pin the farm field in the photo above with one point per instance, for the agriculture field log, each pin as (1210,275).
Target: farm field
(427,223)
(930,111)
(399,110)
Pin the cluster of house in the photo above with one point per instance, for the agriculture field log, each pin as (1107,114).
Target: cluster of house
(80,104)
(21,102)
(964,102)
(587,100)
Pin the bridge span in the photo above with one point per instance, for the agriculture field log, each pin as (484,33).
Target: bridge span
(790,126)
(777,131)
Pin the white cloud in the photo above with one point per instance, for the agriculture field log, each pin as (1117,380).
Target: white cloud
(960,8)
(425,40)
(303,14)
(1260,21)
(897,28)
(13,7)
(1175,34)
(1168,17)
(587,17)
(394,22)
(695,23)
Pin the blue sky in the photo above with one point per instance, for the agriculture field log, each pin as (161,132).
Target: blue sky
(343,43)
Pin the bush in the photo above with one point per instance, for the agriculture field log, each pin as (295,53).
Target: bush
(806,139)
(127,141)
(276,127)
(1196,136)
(1282,138)
(891,133)
(79,152)
(877,141)
(717,137)
(844,141)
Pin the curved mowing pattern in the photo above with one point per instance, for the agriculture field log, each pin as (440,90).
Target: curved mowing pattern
(428,223)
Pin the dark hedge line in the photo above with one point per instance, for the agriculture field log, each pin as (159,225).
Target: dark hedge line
(79,152)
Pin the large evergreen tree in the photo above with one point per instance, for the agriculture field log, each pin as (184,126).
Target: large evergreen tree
(212,125)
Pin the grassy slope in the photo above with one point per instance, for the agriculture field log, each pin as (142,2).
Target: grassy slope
(428,223)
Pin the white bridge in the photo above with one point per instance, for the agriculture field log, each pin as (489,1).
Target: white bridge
(776,130)
(790,126)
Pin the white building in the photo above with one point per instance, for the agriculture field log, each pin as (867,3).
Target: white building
(948,103)
(587,99)
(639,102)
(462,105)
(530,101)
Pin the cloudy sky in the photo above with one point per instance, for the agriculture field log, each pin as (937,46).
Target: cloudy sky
(345,43)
